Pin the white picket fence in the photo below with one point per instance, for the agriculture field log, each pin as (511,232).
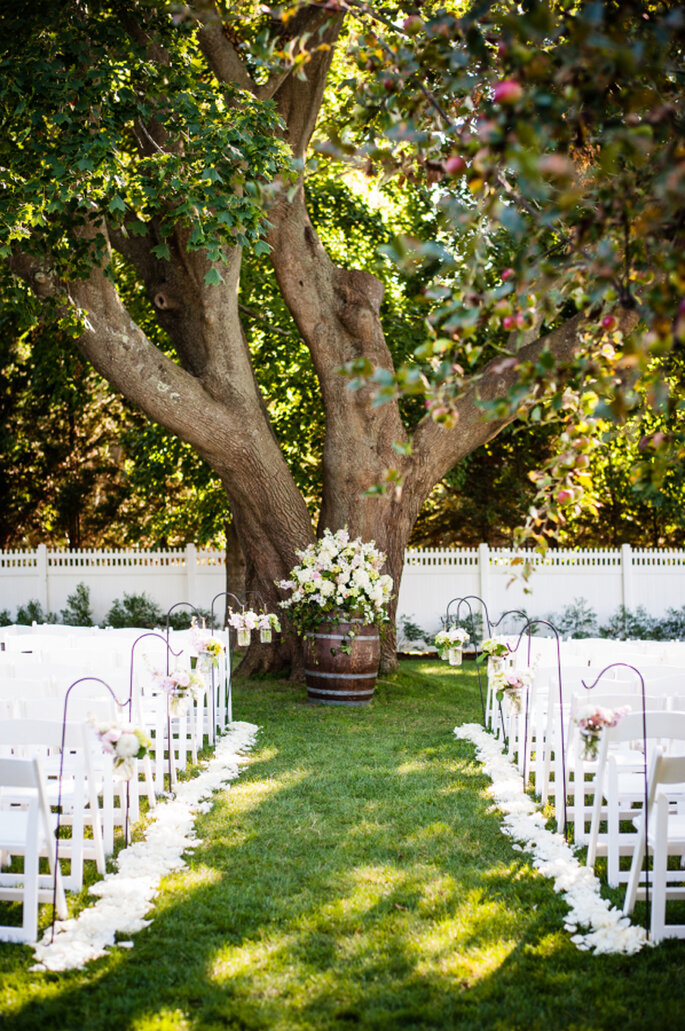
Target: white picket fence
(604,577)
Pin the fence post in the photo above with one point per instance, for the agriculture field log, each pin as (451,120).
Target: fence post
(42,573)
(627,576)
(191,573)
(484,574)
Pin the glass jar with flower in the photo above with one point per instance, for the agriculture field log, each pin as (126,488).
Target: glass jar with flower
(510,689)
(269,623)
(591,721)
(243,623)
(338,601)
(450,644)
(180,687)
(209,648)
(496,651)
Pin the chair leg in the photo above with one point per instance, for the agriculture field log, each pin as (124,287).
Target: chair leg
(659,869)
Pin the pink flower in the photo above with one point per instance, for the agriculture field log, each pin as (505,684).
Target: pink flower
(507,91)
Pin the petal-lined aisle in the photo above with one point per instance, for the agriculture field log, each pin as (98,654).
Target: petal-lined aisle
(125,897)
(599,926)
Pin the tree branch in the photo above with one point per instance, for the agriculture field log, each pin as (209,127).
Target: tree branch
(437,449)
(220,53)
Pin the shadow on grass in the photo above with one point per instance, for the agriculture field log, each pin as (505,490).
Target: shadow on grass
(355,876)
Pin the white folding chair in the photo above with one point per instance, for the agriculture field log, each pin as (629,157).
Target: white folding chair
(70,782)
(27,830)
(664,832)
(619,784)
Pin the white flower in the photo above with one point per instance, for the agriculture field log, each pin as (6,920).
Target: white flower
(128,745)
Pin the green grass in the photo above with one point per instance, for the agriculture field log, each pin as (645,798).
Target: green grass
(355,876)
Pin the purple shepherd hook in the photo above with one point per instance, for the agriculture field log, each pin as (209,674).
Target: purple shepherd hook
(590,687)
(526,629)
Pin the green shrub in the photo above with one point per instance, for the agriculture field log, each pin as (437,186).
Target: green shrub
(32,612)
(577,620)
(635,626)
(137,610)
(78,611)
(5,617)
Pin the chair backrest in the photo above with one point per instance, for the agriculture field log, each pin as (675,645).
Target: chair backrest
(658,723)
(669,769)
(20,773)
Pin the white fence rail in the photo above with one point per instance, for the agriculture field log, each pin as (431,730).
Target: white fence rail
(606,578)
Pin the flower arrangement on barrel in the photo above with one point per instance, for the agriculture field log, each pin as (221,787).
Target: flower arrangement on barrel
(339,598)
(125,743)
(591,721)
(450,644)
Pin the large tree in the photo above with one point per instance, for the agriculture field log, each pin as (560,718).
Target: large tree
(162,142)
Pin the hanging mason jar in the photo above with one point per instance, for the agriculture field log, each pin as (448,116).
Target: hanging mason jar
(454,656)
(244,635)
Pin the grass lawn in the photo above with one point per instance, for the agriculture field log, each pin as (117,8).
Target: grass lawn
(355,876)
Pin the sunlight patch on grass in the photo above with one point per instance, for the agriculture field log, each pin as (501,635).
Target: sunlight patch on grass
(162,1020)
(249,958)
(249,794)
(190,879)
(412,766)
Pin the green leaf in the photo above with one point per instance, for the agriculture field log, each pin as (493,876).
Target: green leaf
(213,277)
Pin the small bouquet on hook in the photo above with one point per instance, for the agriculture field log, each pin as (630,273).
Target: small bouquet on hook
(495,651)
(591,721)
(125,743)
(450,644)
(247,620)
(209,648)
(510,688)
(269,623)
(180,686)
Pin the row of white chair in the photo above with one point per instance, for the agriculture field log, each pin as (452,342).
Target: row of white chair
(602,801)
(78,778)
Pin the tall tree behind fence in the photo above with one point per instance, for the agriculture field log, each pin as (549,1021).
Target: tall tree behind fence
(606,578)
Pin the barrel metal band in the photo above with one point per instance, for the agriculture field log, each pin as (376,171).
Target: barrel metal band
(339,676)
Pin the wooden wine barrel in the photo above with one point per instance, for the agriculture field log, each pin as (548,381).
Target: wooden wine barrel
(335,677)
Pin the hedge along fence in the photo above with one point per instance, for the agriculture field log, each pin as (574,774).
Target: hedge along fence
(606,578)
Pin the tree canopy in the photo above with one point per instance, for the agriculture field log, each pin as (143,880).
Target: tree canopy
(170,192)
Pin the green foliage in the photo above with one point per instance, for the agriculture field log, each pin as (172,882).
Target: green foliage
(558,182)
(5,617)
(33,612)
(136,610)
(576,620)
(626,624)
(78,611)
(61,72)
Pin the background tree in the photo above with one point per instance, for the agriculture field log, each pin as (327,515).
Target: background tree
(139,145)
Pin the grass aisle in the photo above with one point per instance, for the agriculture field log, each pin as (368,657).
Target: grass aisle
(354,877)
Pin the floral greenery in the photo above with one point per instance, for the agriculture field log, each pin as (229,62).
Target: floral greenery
(338,579)
(491,646)
(206,645)
(447,639)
